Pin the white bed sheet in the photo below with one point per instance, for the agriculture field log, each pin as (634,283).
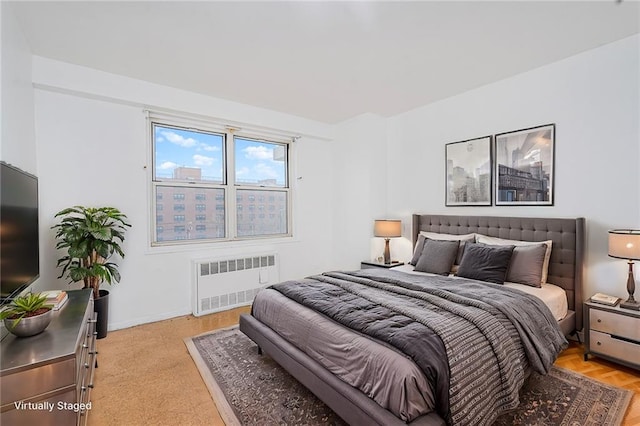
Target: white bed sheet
(553,296)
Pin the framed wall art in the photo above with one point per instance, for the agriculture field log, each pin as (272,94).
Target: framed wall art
(468,169)
(524,167)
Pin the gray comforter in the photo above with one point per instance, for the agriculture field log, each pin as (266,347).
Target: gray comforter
(487,333)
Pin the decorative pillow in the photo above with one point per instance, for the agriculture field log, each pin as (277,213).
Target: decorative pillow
(437,256)
(451,237)
(501,241)
(527,264)
(485,263)
(418,250)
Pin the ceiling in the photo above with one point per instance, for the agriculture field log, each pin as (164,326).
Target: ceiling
(326,61)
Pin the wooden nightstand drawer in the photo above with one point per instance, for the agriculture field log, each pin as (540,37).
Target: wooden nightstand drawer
(605,344)
(617,325)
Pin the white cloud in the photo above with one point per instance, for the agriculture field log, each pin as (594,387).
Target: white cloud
(159,139)
(201,160)
(259,152)
(179,140)
(167,165)
(209,148)
(265,171)
(242,171)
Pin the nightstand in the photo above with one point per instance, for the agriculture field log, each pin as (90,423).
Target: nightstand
(612,333)
(368,265)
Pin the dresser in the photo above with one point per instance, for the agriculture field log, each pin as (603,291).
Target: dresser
(47,379)
(612,333)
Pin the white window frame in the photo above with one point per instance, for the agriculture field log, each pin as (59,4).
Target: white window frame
(229,186)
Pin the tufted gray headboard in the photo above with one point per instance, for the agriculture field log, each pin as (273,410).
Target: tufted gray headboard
(567,253)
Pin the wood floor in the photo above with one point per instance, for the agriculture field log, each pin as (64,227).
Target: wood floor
(146,376)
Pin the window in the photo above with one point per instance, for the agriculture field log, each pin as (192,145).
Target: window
(203,169)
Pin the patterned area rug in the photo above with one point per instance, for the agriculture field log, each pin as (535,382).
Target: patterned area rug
(251,389)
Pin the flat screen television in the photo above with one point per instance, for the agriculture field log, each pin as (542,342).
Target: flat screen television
(19,243)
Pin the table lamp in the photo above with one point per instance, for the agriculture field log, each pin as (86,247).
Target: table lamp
(625,244)
(387,229)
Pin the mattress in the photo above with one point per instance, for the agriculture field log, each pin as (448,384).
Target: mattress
(553,296)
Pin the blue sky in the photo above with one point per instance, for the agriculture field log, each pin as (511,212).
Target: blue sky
(187,148)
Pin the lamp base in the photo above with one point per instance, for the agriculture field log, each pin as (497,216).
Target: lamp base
(387,253)
(630,304)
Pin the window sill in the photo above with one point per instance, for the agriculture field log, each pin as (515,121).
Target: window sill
(219,245)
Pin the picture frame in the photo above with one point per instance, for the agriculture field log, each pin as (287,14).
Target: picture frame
(524,167)
(468,168)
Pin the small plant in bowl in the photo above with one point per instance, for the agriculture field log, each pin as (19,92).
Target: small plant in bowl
(27,315)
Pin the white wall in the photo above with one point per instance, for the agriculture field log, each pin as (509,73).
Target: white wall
(17,122)
(92,150)
(593,100)
(360,170)
(18,144)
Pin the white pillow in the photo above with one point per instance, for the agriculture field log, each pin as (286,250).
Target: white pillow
(501,242)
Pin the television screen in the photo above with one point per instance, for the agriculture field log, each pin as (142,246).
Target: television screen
(19,253)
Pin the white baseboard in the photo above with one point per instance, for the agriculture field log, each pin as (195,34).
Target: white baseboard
(146,320)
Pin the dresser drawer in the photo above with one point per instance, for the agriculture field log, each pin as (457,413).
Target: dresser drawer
(618,325)
(605,344)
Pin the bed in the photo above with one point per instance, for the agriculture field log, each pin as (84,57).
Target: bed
(320,371)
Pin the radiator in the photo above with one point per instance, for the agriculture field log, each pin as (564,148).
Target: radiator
(222,284)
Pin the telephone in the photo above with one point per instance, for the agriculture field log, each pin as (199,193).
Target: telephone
(605,299)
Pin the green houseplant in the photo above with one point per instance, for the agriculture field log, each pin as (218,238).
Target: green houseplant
(91,236)
(27,315)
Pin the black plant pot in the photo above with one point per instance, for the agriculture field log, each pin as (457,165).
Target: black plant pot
(101,308)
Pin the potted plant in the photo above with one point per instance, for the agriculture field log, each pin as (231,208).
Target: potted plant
(91,236)
(27,315)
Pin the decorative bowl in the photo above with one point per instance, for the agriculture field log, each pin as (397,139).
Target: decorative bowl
(29,326)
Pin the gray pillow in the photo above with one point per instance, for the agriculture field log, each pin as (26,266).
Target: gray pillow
(485,263)
(452,237)
(418,250)
(501,241)
(526,265)
(437,256)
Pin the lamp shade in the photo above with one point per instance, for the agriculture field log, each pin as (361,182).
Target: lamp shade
(387,228)
(624,244)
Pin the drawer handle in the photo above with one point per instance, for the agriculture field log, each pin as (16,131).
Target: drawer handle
(599,320)
(90,386)
(83,388)
(92,321)
(87,365)
(85,346)
(95,333)
(599,344)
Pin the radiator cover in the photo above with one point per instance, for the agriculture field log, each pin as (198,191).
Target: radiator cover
(221,284)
